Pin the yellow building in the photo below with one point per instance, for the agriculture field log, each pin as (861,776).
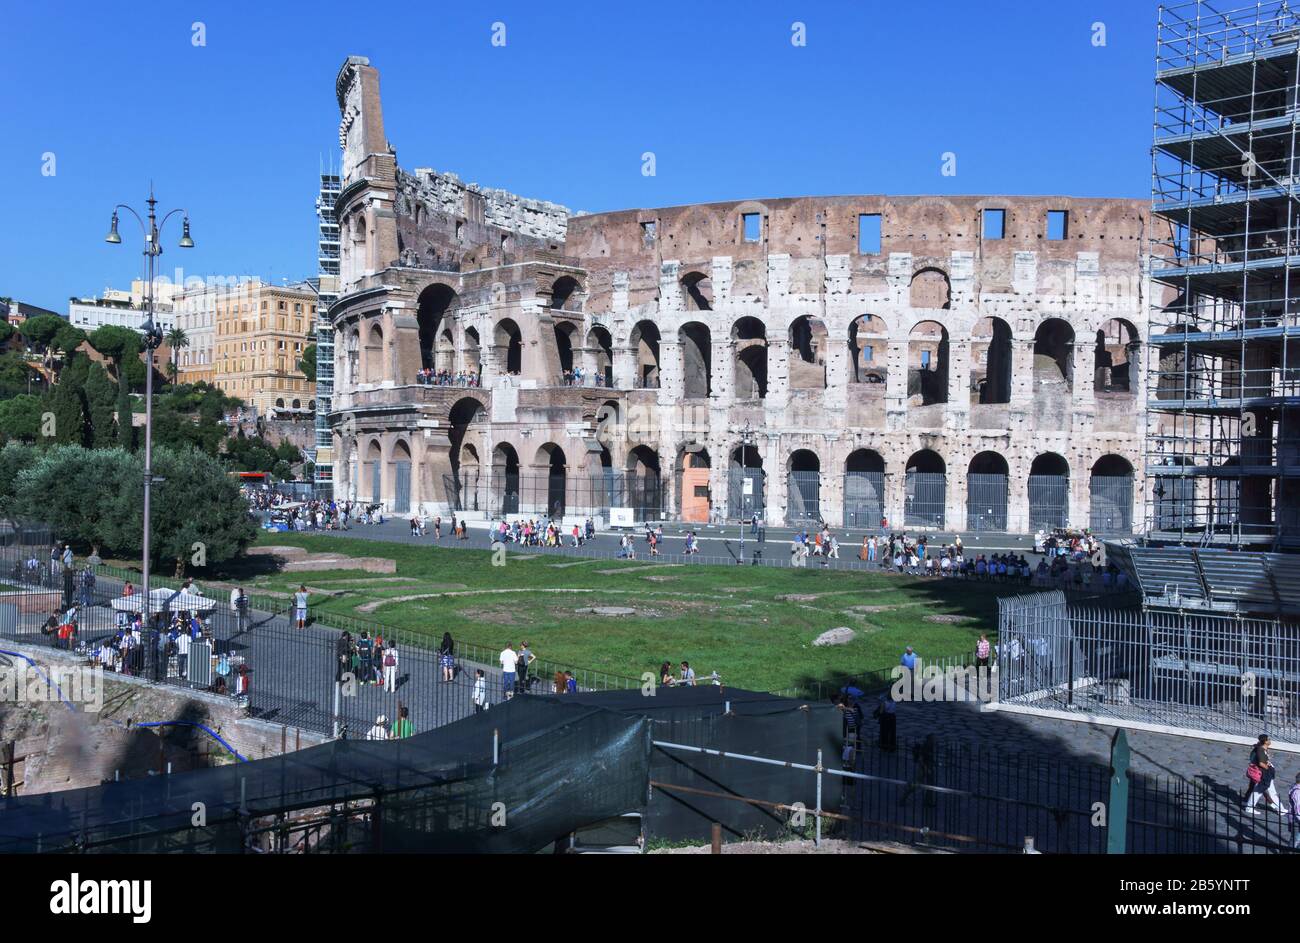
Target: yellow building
(261,333)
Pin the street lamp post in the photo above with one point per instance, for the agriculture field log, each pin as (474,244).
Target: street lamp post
(153,337)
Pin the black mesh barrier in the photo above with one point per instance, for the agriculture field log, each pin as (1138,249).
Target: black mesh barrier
(691,790)
(559,766)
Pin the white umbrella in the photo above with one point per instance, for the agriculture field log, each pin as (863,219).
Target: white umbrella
(160,598)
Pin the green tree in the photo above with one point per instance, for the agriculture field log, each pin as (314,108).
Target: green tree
(41,329)
(176,339)
(6,331)
(101,403)
(14,458)
(15,376)
(67,402)
(20,419)
(67,339)
(72,488)
(308,362)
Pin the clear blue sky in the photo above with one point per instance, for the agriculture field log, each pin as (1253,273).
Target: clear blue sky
(236,130)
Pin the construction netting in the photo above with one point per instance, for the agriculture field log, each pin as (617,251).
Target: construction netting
(514,779)
(691,791)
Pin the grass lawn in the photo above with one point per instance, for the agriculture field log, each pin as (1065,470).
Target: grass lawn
(730,619)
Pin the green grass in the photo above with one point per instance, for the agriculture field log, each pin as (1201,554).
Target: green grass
(727,619)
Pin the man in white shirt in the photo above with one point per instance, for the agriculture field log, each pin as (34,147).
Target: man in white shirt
(509,660)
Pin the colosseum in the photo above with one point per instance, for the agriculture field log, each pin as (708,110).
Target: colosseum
(955,363)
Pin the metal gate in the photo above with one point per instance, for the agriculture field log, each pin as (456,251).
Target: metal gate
(507,486)
(864,498)
(925,498)
(376,474)
(1112,504)
(743,503)
(1049,501)
(402,488)
(803,497)
(986,502)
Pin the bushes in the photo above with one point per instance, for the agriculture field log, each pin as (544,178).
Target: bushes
(95,497)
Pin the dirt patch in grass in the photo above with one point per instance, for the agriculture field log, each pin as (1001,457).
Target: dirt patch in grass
(944,618)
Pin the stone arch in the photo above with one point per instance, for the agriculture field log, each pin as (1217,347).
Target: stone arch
(399,464)
(749,339)
(505,478)
(509,343)
(925,489)
(803,488)
(371,487)
(1054,354)
(375,352)
(600,355)
(1110,487)
(435,307)
(566,294)
(927,364)
(1115,357)
(930,288)
(1049,491)
(746,464)
(868,347)
(551,462)
(697,354)
(644,341)
(644,487)
(986,492)
(807,339)
(864,488)
(473,353)
(697,291)
(565,334)
(463,416)
(991,357)
(691,472)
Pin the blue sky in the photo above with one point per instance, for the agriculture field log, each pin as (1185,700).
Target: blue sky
(236,130)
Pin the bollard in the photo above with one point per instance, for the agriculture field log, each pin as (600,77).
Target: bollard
(716,839)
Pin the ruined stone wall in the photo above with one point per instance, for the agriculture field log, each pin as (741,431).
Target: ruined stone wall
(698,321)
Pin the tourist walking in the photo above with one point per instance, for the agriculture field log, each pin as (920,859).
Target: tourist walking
(1261,774)
(480,691)
(1293,800)
(982,651)
(526,658)
(886,715)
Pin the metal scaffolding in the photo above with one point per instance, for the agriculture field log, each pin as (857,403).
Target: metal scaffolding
(1223,358)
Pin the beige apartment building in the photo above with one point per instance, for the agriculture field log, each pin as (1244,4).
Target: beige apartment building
(261,333)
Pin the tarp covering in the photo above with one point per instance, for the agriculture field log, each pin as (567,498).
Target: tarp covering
(758,724)
(562,765)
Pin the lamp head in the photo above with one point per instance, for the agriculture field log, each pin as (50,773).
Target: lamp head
(186,242)
(112,236)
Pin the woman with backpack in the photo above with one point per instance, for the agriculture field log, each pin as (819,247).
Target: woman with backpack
(390,668)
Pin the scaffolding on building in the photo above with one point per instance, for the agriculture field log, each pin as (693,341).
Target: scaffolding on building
(1223,358)
(328,271)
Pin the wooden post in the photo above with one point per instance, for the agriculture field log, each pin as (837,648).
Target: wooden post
(7,768)
(717,839)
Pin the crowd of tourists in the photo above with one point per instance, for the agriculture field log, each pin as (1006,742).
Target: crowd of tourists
(544,533)
(430,377)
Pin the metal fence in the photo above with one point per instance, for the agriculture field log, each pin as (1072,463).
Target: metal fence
(557,495)
(1112,504)
(926,497)
(864,499)
(1175,504)
(1049,501)
(1193,669)
(803,497)
(986,502)
(745,495)
(965,797)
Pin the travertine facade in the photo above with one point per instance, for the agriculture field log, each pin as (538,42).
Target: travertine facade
(772,335)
